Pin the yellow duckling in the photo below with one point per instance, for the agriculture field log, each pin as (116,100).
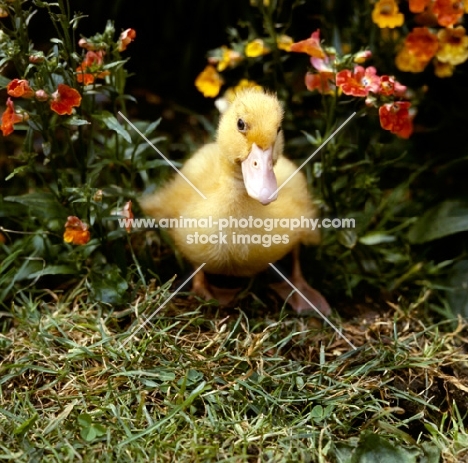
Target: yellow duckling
(239,176)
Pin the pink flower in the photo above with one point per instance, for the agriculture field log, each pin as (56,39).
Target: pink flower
(359,82)
(126,37)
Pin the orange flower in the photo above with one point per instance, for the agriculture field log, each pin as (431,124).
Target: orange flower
(128,214)
(421,43)
(126,37)
(9,118)
(76,232)
(418,6)
(256,48)
(448,12)
(396,118)
(64,99)
(453,45)
(407,62)
(311,46)
(90,68)
(209,82)
(20,88)
(389,86)
(386,14)
(323,82)
(359,82)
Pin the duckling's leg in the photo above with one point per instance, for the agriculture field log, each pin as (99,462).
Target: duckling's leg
(202,288)
(298,303)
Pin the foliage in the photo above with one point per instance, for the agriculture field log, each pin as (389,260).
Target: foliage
(74,287)
(77,159)
(80,381)
(363,172)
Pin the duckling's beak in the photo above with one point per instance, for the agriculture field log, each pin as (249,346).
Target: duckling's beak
(259,177)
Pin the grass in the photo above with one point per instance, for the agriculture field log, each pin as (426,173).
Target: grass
(200,383)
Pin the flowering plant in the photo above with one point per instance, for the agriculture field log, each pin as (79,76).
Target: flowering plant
(372,77)
(65,102)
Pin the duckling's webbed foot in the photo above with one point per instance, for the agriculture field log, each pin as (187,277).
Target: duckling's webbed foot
(202,288)
(311,296)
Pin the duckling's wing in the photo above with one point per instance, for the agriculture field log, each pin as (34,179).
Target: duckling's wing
(179,195)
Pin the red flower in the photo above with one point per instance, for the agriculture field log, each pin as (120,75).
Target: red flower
(9,118)
(126,37)
(90,68)
(20,88)
(76,232)
(448,12)
(64,99)
(389,86)
(396,118)
(359,82)
(421,43)
(311,46)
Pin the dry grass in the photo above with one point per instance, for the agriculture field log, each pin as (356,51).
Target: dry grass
(204,384)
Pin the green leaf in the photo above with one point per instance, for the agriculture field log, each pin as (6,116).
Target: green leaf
(457,294)
(373,448)
(4,81)
(112,123)
(75,121)
(313,140)
(25,426)
(442,220)
(89,429)
(193,377)
(53,270)
(43,205)
(107,285)
(376,238)
(17,170)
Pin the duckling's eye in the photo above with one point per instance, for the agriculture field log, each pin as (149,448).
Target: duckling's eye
(241,125)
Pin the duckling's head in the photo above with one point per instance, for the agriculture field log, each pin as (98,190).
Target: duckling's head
(249,135)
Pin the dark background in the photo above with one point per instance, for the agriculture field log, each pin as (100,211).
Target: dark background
(174,36)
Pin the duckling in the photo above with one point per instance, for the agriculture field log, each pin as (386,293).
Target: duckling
(239,175)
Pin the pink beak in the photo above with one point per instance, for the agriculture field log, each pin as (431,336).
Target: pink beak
(259,177)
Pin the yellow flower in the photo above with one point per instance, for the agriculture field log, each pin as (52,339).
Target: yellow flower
(228,58)
(407,62)
(256,48)
(443,69)
(284,42)
(386,14)
(242,84)
(255,2)
(453,45)
(209,82)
